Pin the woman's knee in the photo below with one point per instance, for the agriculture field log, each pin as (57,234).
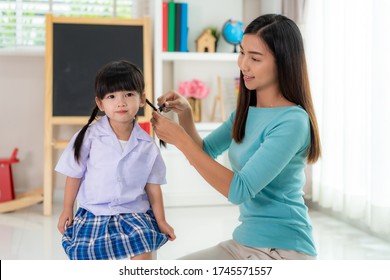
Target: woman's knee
(217,252)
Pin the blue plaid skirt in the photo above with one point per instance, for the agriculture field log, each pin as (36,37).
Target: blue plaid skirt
(120,236)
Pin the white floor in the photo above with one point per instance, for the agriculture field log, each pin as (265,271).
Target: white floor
(28,235)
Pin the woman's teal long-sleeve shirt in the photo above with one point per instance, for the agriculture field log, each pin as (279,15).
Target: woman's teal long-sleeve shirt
(268,179)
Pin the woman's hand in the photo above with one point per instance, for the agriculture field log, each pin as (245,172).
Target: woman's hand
(166,129)
(65,220)
(174,101)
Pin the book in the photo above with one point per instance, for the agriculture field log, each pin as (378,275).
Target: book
(171,26)
(178,25)
(184,28)
(164,26)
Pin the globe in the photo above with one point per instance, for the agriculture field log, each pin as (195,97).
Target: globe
(232,32)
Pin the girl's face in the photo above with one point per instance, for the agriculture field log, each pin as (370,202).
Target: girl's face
(121,106)
(257,64)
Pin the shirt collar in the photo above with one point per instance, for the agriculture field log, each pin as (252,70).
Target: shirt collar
(103,128)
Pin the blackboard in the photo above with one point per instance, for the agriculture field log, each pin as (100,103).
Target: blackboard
(76,48)
(79,51)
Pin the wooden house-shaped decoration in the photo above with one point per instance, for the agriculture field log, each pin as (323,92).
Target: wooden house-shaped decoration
(206,42)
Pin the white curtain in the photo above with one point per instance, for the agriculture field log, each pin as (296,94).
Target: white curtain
(348,52)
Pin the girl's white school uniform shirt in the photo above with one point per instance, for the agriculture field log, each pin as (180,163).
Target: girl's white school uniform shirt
(113,179)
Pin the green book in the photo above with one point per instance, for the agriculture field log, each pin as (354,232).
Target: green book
(171,26)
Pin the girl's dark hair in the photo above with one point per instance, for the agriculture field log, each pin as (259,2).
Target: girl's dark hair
(284,40)
(114,76)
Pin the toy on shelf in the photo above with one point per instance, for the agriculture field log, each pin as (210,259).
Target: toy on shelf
(206,42)
(232,32)
(8,200)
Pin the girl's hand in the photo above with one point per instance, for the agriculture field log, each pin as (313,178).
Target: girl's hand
(166,129)
(174,101)
(65,220)
(167,229)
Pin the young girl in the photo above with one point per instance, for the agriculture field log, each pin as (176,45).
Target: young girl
(115,169)
(270,138)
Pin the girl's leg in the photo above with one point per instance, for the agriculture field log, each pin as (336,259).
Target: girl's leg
(144,256)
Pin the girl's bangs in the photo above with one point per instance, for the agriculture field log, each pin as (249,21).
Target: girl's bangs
(126,81)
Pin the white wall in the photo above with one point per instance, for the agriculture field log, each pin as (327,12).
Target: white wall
(22,113)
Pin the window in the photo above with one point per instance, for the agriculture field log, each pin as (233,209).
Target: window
(22,22)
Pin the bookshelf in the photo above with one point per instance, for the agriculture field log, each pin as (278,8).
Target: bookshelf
(193,56)
(189,188)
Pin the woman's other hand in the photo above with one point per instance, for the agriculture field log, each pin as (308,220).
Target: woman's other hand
(174,101)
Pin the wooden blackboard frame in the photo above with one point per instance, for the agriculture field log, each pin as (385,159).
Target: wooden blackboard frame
(51,120)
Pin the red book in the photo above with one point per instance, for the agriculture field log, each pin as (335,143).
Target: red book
(164,26)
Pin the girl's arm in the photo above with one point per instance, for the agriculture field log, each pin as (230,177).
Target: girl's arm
(71,188)
(156,201)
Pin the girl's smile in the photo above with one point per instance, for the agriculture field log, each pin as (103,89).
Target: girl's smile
(121,111)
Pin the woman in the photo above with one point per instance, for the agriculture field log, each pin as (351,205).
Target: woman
(270,137)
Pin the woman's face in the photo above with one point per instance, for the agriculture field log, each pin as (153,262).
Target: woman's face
(257,64)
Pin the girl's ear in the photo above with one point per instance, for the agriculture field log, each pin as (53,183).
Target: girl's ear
(99,103)
(142,100)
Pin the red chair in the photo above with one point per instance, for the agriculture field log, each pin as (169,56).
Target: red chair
(7,192)
(9,201)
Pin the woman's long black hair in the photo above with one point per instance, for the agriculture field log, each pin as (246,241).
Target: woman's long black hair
(115,76)
(284,40)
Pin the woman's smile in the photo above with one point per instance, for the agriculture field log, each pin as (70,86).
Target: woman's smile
(248,78)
